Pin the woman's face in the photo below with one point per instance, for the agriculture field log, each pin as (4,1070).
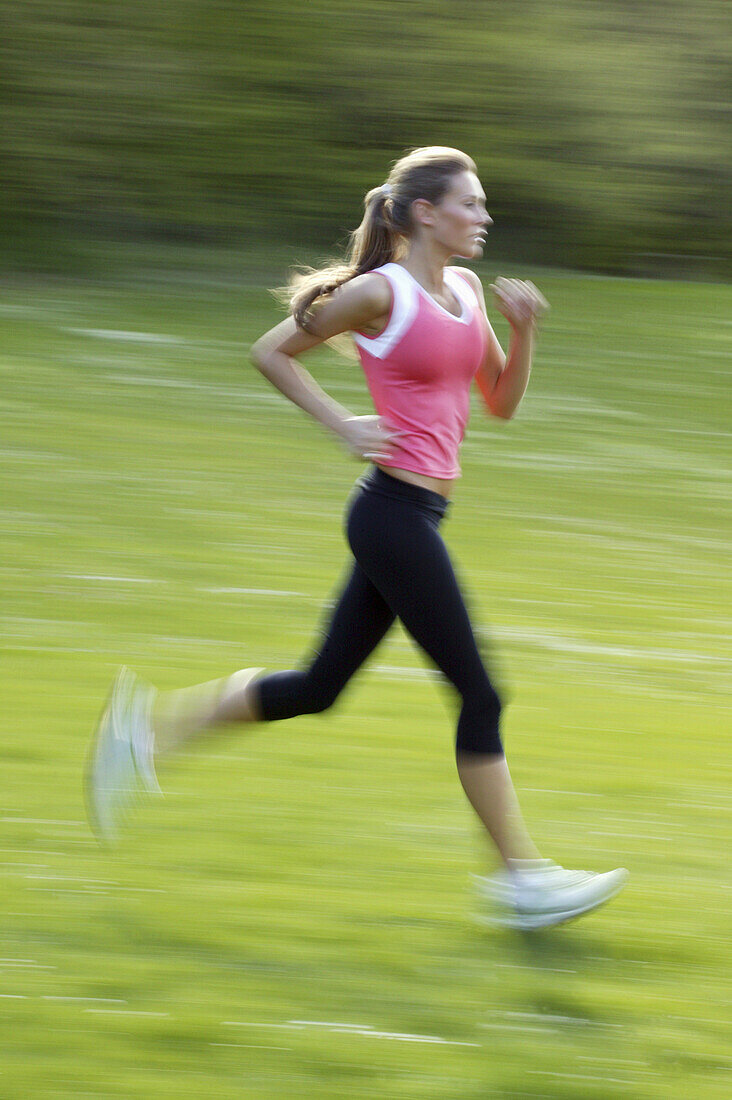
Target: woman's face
(460,219)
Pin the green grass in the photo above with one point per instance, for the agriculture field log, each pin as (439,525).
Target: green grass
(163,507)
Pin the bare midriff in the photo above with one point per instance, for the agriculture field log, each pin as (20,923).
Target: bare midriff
(436,484)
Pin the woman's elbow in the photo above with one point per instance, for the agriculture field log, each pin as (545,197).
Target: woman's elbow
(258,355)
(500,412)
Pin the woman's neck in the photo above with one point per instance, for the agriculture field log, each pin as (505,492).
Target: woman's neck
(427,266)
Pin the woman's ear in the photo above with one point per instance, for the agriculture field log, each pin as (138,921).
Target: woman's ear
(423,212)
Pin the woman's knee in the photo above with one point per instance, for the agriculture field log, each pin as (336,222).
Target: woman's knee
(319,695)
(288,694)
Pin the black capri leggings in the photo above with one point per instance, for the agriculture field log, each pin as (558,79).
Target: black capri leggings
(402,569)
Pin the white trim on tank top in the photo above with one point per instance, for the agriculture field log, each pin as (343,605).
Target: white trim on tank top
(463,291)
(405,289)
(403,312)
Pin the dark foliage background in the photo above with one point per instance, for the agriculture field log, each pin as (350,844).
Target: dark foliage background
(598,125)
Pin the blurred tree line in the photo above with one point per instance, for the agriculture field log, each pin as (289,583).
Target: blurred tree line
(598,126)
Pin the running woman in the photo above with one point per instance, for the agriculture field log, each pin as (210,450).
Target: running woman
(423,336)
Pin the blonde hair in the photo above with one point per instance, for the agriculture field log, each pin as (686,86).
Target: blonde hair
(387,223)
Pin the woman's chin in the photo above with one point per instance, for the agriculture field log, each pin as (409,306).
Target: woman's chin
(472,251)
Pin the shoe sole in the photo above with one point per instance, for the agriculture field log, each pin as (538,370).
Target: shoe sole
(529,922)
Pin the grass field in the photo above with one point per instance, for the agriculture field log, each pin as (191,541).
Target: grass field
(295,919)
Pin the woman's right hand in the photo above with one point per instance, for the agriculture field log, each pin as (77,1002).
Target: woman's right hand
(368,437)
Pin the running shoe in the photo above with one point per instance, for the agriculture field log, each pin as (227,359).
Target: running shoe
(539,893)
(111,775)
(134,723)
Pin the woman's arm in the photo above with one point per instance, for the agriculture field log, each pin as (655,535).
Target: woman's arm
(502,379)
(353,306)
(504,396)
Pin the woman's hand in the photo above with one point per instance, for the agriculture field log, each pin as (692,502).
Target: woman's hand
(520,302)
(368,437)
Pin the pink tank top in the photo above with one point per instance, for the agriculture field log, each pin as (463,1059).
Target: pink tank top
(419,370)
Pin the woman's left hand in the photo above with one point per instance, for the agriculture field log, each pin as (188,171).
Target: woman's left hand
(520,302)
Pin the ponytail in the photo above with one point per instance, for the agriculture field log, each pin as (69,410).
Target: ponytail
(385,228)
(374,243)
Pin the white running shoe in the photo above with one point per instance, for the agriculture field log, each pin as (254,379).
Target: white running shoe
(134,725)
(111,776)
(537,893)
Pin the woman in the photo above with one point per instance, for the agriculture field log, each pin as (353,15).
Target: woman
(422,335)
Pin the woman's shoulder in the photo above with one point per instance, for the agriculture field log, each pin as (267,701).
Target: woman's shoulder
(371,289)
(353,305)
